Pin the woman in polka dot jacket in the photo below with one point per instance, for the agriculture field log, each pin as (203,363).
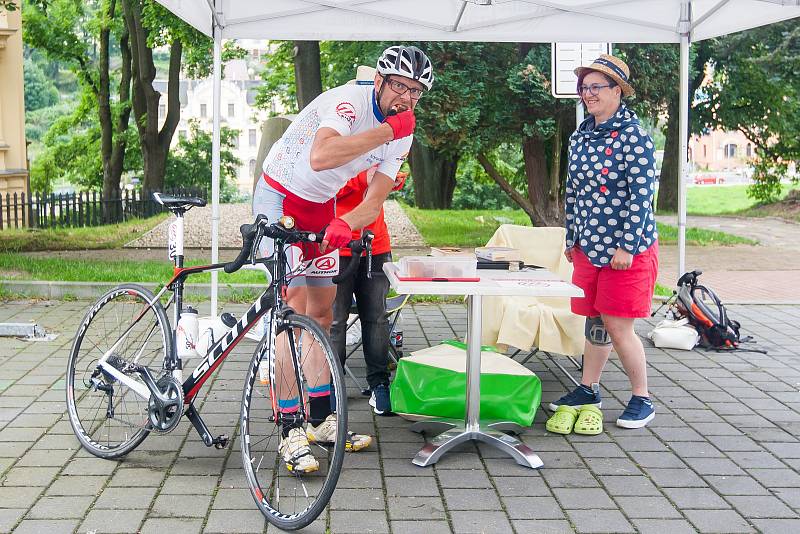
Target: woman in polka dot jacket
(611,234)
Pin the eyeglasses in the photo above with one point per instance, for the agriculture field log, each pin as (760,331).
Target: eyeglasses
(593,89)
(400,88)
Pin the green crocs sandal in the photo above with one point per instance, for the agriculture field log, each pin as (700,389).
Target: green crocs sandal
(590,420)
(562,421)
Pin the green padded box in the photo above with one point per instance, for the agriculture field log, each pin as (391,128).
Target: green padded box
(432,383)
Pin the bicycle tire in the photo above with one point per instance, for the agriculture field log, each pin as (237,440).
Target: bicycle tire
(102,329)
(269,480)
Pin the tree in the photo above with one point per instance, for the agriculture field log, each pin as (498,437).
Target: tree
(40,91)
(754,90)
(62,29)
(307,75)
(190,163)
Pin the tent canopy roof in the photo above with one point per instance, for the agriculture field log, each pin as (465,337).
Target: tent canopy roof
(617,21)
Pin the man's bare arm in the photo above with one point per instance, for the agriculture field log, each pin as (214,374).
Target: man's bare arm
(331,150)
(369,208)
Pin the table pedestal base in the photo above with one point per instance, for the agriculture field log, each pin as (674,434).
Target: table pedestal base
(453,434)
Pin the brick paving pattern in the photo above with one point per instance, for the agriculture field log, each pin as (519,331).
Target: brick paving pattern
(722,455)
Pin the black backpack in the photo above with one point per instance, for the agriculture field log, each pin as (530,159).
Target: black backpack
(706,313)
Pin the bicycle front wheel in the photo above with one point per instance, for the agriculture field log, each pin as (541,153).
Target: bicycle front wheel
(296,362)
(127,327)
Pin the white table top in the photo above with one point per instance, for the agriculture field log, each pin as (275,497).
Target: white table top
(531,283)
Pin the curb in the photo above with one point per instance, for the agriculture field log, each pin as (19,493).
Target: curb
(93,290)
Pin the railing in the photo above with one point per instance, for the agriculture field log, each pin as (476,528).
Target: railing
(74,210)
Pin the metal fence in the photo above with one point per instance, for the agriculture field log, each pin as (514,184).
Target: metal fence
(74,210)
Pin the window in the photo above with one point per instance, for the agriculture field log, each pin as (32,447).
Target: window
(253,137)
(236,141)
(162,111)
(203,110)
(181,134)
(705,151)
(252,167)
(730,151)
(231,110)
(749,150)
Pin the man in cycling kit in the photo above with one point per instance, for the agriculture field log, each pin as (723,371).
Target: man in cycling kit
(342,132)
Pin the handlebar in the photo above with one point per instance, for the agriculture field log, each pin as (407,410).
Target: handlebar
(253,233)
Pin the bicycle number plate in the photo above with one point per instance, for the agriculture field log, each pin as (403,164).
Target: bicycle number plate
(323,267)
(172,242)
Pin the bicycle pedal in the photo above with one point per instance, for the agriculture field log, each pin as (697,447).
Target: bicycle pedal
(220,442)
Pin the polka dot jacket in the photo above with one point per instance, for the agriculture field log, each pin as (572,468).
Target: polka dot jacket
(610,185)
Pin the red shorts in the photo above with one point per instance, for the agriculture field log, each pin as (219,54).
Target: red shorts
(308,216)
(627,293)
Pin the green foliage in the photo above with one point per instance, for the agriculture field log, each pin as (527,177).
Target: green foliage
(8,5)
(754,90)
(39,121)
(189,165)
(338,63)
(40,91)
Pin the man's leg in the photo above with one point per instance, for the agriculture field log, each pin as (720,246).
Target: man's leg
(371,299)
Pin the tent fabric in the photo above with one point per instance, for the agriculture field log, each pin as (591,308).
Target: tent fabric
(617,21)
(432,383)
(526,322)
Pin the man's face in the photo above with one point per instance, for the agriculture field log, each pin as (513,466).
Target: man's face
(607,99)
(397,93)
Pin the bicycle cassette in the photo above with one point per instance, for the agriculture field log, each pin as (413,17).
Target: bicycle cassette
(164,411)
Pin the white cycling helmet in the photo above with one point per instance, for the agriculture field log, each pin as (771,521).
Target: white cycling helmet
(407,61)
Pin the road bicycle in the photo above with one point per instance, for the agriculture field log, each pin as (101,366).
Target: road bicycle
(125,374)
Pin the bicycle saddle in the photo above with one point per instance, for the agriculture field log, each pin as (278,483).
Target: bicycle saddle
(178,203)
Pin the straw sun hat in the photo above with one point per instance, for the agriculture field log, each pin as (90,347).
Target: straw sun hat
(613,67)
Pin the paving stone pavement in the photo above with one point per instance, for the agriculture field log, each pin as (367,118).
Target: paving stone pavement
(722,455)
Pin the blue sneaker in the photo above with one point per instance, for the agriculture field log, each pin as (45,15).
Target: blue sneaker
(579,396)
(638,413)
(379,400)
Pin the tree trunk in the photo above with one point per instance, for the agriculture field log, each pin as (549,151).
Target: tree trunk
(521,201)
(434,177)
(112,134)
(154,142)
(547,210)
(307,77)
(670,166)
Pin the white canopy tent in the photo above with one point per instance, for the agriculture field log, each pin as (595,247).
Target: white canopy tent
(544,21)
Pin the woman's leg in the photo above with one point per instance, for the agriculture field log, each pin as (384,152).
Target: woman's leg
(594,360)
(630,350)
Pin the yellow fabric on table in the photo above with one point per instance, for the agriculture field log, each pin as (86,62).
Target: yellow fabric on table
(526,322)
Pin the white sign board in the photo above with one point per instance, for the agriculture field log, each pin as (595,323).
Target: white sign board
(565,58)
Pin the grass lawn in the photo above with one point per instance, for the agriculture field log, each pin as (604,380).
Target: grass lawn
(726,200)
(98,237)
(473,228)
(21,267)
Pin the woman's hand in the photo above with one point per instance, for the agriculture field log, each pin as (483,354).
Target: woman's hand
(622,259)
(568,254)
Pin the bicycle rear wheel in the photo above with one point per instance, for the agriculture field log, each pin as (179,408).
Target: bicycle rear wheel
(108,418)
(289,499)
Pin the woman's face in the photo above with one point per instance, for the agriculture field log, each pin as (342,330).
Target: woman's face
(607,99)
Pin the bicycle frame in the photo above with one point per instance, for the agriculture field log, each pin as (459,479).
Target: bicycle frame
(216,354)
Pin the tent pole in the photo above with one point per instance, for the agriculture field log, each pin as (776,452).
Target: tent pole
(215,163)
(684,27)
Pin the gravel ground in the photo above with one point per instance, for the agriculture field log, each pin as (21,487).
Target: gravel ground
(197,228)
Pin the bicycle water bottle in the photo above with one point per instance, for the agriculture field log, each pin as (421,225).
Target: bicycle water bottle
(186,334)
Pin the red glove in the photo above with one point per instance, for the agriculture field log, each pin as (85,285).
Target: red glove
(337,235)
(400,181)
(402,123)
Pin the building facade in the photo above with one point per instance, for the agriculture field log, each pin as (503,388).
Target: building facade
(237,111)
(13,158)
(721,150)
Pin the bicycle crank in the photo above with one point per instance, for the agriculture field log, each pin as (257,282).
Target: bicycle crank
(165,408)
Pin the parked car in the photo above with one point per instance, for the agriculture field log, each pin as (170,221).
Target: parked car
(708,179)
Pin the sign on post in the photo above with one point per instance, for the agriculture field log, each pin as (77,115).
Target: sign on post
(565,58)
